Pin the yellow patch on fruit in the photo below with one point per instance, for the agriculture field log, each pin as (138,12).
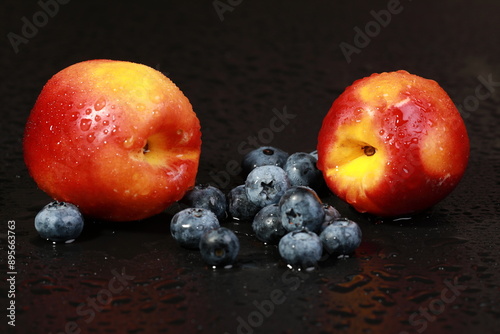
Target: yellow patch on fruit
(384,88)
(356,159)
(436,150)
(143,87)
(123,76)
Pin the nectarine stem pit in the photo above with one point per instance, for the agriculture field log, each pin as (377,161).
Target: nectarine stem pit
(369,150)
(145,149)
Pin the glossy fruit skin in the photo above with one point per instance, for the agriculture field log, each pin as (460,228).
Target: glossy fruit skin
(331,214)
(263,156)
(420,141)
(239,206)
(341,236)
(266,184)
(267,224)
(116,138)
(207,197)
(59,222)
(188,225)
(301,248)
(219,247)
(300,207)
(300,167)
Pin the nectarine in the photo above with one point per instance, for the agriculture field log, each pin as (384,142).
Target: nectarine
(117,139)
(393,144)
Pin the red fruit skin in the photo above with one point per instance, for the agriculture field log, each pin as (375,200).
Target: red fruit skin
(117,139)
(422,146)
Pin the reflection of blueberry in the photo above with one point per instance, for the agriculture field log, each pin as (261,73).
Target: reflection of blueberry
(331,214)
(342,236)
(301,169)
(301,208)
(219,246)
(301,248)
(267,224)
(207,197)
(59,222)
(263,156)
(239,206)
(266,184)
(187,226)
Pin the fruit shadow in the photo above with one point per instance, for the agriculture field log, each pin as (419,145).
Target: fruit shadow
(158,224)
(429,218)
(94,229)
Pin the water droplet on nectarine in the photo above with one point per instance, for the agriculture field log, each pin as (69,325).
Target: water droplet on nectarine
(100,103)
(85,124)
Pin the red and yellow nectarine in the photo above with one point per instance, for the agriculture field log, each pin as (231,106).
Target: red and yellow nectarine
(117,139)
(393,144)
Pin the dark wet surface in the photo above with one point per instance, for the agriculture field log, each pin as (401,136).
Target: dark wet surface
(438,272)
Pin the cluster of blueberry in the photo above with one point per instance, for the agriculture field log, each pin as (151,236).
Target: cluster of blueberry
(198,228)
(279,198)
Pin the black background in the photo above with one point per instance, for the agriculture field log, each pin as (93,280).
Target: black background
(261,56)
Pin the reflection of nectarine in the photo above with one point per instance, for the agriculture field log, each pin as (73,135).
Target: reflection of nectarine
(118,139)
(393,144)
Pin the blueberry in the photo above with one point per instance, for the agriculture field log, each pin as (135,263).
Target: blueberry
(301,248)
(207,197)
(266,184)
(187,226)
(59,222)
(267,224)
(301,207)
(263,156)
(342,236)
(331,214)
(301,170)
(239,206)
(219,247)
(314,154)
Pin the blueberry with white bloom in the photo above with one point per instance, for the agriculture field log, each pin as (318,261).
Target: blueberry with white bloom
(342,236)
(331,214)
(263,156)
(187,226)
(207,197)
(266,184)
(219,247)
(239,206)
(301,208)
(301,248)
(267,224)
(301,170)
(59,222)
